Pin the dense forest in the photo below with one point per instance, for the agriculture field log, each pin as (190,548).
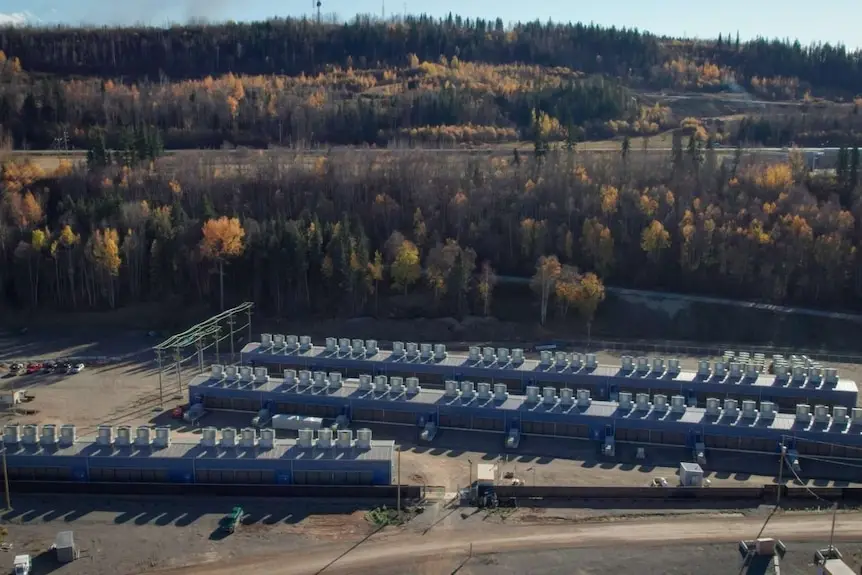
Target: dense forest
(334,234)
(419,82)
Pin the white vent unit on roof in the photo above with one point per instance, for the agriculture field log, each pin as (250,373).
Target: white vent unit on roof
(731,408)
(767,410)
(261,375)
(49,435)
(532,394)
(751,371)
(501,392)
(231,372)
(517,356)
(815,374)
(642,365)
(305,439)
(474,353)
(29,434)
(583,396)
(450,388)
(591,361)
(549,395)
(289,377)
(396,385)
(720,369)
(363,439)
(371,347)
(412,349)
(567,397)
(703,367)
(642,402)
(304,343)
(467,390)
(856,416)
(11,434)
(208,437)
(483,390)
(440,351)
(735,370)
(335,380)
(673,366)
(397,349)
(728,355)
(803,413)
(830,375)
(577,361)
(839,415)
(625,400)
(502,355)
(488,355)
(331,345)
(247,437)
(743,356)
(267,439)
(797,373)
(344,439)
(217,372)
(677,404)
(124,436)
(821,413)
(319,379)
(245,373)
(713,406)
(627,363)
(426,350)
(68,435)
(659,402)
(279,342)
(162,439)
(343,345)
(292,342)
(560,359)
(324,438)
(781,372)
(381,384)
(265,340)
(545,358)
(358,347)
(228,437)
(413,386)
(657,365)
(105,435)
(364,382)
(142,436)
(304,377)
(749,408)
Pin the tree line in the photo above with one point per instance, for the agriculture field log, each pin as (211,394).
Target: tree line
(344,233)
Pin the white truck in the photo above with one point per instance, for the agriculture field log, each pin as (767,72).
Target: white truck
(21,565)
(296,422)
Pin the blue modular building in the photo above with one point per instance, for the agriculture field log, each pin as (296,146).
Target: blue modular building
(789,386)
(233,458)
(573,414)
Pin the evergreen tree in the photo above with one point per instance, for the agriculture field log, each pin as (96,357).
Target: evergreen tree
(854,167)
(97,153)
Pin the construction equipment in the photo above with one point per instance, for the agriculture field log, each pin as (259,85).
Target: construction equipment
(232,520)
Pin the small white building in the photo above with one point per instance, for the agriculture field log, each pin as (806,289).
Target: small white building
(690,475)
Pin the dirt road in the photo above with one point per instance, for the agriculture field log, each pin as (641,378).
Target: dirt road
(400,548)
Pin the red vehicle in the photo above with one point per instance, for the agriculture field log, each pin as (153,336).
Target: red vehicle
(177,412)
(34,367)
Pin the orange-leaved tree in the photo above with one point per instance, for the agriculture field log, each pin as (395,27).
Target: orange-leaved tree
(223,240)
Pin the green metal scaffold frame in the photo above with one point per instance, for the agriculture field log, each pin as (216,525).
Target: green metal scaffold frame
(203,336)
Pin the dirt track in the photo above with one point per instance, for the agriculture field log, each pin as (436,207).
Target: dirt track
(394,548)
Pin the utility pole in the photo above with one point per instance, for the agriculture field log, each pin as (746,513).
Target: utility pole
(6,482)
(398,493)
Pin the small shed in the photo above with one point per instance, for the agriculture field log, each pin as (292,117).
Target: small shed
(690,475)
(486,473)
(65,547)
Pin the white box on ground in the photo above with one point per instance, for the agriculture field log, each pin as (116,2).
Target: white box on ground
(690,475)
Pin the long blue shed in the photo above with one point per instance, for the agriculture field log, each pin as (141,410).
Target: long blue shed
(810,386)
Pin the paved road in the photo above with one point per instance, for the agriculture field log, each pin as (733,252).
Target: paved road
(388,549)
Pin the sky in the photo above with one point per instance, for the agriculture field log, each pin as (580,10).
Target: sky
(825,21)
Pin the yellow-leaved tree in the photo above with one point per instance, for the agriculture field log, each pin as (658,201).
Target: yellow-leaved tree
(590,292)
(544,281)
(104,252)
(406,269)
(223,240)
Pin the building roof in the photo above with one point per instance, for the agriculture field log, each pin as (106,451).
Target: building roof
(318,356)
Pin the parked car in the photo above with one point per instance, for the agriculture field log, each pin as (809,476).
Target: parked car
(77,368)
(34,367)
(49,366)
